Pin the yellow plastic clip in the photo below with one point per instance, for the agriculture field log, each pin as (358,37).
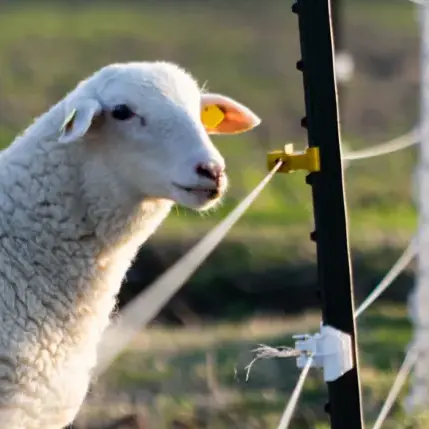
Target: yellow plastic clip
(212,116)
(308,160)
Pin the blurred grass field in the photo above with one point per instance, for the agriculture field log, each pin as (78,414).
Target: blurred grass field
(210,390)
(248,50)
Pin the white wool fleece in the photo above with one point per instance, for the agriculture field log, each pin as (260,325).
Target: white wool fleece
(80,190)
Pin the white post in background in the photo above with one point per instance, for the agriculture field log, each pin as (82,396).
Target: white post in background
(418,396)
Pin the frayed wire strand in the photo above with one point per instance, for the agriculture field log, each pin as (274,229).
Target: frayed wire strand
(267,352)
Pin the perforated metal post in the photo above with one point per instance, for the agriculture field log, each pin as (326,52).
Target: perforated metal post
(331,233)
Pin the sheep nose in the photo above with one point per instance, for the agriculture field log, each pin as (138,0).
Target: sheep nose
(210,171)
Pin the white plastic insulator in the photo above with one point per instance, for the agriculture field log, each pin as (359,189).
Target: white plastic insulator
(331,350)
(344,66)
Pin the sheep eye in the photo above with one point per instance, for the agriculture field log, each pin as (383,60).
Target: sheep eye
(122,112)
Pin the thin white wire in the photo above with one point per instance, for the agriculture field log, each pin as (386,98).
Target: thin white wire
(135,315)
(394,145)
(143,308)
(293,401)
(401,378)
(407,256)
(399,143)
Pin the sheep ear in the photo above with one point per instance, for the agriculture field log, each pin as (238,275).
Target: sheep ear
(79,120)
(223,115)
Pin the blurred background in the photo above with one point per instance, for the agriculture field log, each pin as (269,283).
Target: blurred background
(187,369)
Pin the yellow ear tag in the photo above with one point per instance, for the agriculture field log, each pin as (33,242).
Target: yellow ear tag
(212,116)
(68,120)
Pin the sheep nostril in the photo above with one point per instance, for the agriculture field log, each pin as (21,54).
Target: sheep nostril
(210,171)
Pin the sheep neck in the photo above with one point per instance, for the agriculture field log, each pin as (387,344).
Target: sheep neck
(75,247)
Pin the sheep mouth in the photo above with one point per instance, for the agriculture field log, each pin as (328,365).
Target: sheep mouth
(209,193)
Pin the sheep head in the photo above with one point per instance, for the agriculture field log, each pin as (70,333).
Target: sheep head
(150,122)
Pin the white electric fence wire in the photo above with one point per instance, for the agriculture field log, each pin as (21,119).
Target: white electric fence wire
(143,308)
(401,378)
(403,261)
(293,401)
(147,305)
(407,256)
(394,145)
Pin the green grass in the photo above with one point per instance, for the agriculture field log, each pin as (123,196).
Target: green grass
(46,48)
(248,53)
(200,370)
(248,50)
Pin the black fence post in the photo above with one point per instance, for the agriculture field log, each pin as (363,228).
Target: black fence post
(331,232)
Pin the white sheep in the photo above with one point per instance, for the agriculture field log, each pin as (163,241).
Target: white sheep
(80,190)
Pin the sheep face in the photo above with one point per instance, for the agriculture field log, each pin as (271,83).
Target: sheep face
(150,124)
